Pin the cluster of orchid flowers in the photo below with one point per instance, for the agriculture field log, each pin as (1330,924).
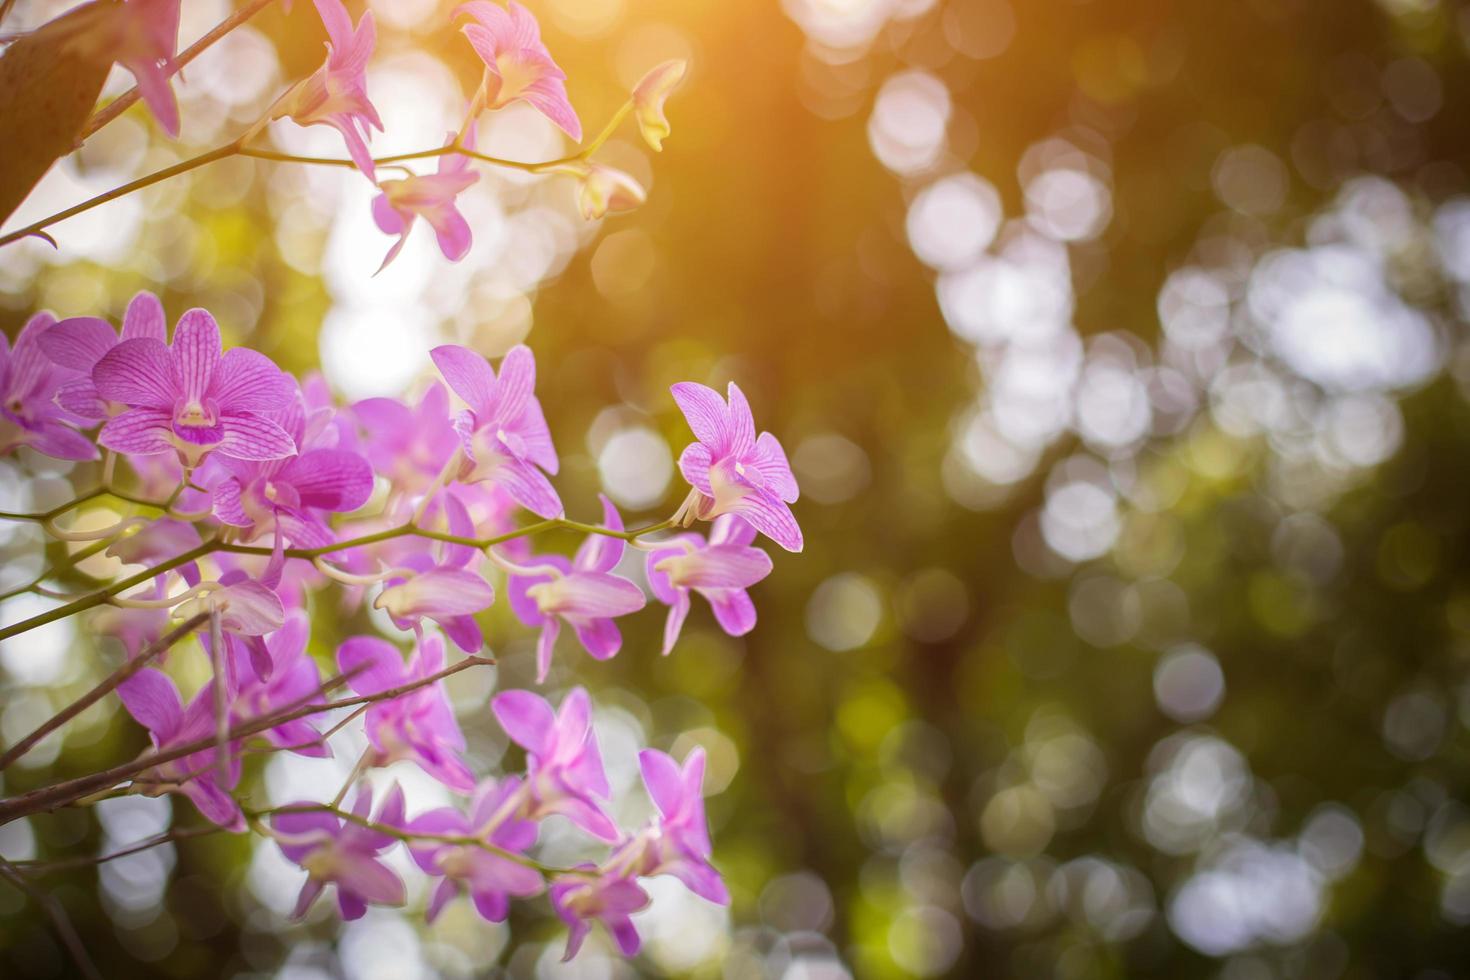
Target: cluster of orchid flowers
(244,493)
(142,36)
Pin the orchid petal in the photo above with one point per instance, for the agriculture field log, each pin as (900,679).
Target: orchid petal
(196,351)
(144,318)
(78,343)
(138,373)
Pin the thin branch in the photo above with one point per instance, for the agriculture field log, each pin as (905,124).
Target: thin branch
(60,794)
(183,166)
(237,148)
(409,836)
(59,920)
(125,101)
(37,868)
(111,683)
(97,598)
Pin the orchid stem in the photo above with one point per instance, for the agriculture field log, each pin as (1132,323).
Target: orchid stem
(238,148)
(111,683)
(83,603)
(184,166)
(70,790)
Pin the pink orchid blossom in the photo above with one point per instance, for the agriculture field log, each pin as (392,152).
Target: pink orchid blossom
(490,879)
(336,95)
(649,96)
(733,470)
(29,415)
(580,900)
(503,434)
(430,197)
(517,64)
(187,397)
(336,852)
(153,700)
(293,681)
(564,771)
(420,725)
(604,190)
(78,343)
(289,495)
(145,39)
(678,842)
(409,446)
(720,570)
(549,590)
(441,587)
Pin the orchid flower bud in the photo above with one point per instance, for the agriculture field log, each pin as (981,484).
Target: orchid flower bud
(605,190)
(649,96)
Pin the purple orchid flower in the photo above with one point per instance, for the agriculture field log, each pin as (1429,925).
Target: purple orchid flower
(503,434)
(293,681)
(442,588)
(490,879)
(146,39)
(336,94)
(247,609)
(29,415)
(334,851)
(733,470)
(432,198)
(186,396)
(289,495)
(720,571)
(76,345)
(517,64)
(583,899)
(583,592)
(564,771)
(409,446)
(419,725)
(152,699)
(678,843)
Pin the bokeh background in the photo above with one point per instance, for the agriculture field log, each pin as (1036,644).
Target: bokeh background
(1120,349)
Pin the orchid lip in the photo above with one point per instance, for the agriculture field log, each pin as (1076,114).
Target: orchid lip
(196,415)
